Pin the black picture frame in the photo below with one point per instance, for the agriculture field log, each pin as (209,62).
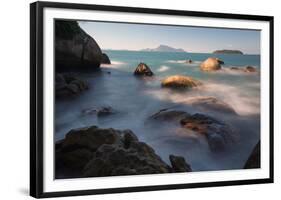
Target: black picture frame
(37,98)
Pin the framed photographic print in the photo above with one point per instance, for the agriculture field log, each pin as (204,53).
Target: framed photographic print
(128,99)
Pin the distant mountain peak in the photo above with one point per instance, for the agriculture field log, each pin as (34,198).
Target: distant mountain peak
(164,48)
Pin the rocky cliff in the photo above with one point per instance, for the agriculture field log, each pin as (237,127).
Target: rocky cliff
(74,48)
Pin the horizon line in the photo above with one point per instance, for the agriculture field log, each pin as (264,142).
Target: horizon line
(179,52)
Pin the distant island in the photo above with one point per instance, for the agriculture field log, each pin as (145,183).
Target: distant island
(227,51)
(163,48)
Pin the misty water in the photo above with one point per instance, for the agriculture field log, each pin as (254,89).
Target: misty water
(135,99)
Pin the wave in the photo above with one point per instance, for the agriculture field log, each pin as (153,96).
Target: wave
(114,64)
(184,62)
(242,102)
(163,68)
(176,61)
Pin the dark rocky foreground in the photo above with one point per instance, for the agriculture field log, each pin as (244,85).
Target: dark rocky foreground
(255,158)
(96,152)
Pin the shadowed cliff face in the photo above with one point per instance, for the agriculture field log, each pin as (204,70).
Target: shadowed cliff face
(74,48)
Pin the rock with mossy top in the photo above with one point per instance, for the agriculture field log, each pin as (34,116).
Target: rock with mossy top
(180,82)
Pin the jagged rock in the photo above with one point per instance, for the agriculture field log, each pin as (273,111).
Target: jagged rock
(74,48)
(254,159)
(96,152)
(180,82)
(179,165)
(143,70)
(105,59)
(211,64)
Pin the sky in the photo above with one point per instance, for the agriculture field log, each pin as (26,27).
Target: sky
(124,36)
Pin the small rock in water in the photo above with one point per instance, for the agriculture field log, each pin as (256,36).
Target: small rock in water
(234,68)
(100,112)
(211,64)
(143,70)
(105,111)
(250,69)
(189,61)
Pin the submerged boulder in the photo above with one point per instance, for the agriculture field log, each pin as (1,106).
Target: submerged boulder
(180,82)
(218,133)
(211,104)
(68,85)
(105,59)
(211,64)
(255,158)
(169,115)
(100,112)
(96,152)
(143,70)
(74,48)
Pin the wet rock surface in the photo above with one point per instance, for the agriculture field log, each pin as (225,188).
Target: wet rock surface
(218,133)
(180,82)
(95,152)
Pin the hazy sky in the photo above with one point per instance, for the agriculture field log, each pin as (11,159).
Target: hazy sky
(191,39)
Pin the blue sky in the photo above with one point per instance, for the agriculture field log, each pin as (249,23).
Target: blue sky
(191,39)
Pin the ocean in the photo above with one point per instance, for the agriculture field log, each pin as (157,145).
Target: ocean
(135,99)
